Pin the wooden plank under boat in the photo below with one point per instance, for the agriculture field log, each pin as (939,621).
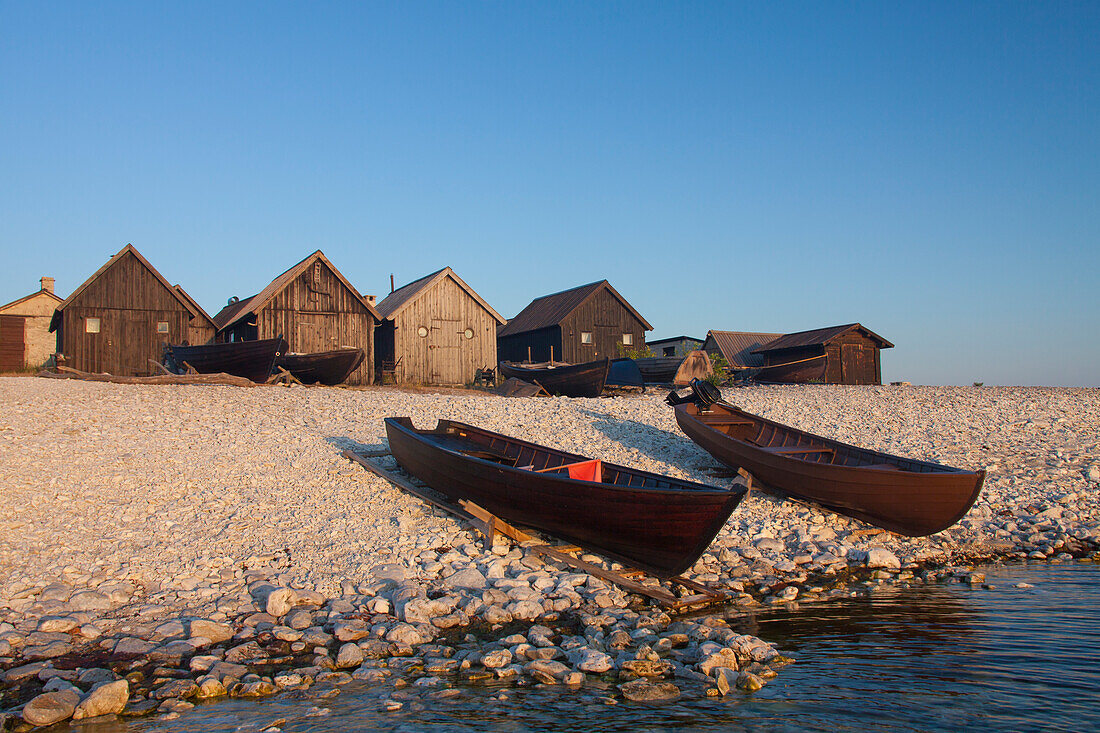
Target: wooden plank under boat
(903,495)
(654,523)
(249,359)
(322,367)
(659,369)
(570,380)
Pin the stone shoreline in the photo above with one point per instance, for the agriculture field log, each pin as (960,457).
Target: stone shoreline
(165,544)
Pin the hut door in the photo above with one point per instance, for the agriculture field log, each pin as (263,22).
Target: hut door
(12,346)
(310,335)
(851,364)
(136,344)
(445,353)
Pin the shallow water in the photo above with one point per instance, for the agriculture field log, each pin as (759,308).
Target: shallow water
(940,657)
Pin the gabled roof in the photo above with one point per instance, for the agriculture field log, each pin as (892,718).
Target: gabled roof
(195,308)
(406,295)
(737,347)
(550,310)
(654,342)
(25,298)
(820,336)
(234,312)
(184,299)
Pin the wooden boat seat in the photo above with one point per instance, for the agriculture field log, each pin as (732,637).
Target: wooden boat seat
(717,420)
(794,450)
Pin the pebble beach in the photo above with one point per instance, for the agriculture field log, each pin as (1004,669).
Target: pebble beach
(161,545)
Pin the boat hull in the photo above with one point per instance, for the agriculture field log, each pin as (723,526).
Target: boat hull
(906,496)
(249,359)
(660,525)
(571,380)
(322,367)
(659,369)
(805,372)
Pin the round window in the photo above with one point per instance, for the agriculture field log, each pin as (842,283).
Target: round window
(422,331)
(468,333)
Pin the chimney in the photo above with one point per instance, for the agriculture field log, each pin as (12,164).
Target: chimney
(370,299)
(391,282)
(47,283)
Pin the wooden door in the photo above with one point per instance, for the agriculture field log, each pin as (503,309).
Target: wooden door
(12,343)
(445,352)
(136,347)
(852,364)
(311,335)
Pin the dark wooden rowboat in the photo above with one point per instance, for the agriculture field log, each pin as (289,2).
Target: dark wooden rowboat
(249,359)
(903,495)
(803,371)
(570,380)
(659,369)
(323,367)
(655,523)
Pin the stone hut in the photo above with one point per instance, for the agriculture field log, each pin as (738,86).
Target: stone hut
(25,338)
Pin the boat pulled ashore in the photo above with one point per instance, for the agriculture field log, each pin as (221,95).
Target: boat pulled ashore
(903,495)
(249,359)
(651,522)
(322,367)
(561,378)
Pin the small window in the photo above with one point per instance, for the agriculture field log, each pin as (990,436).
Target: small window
(586,337)
(91,325)
(422,332)
(670,351)
(628,339)
(162,326)
(468,333)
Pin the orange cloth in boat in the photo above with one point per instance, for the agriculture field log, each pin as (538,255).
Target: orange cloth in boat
(586,470)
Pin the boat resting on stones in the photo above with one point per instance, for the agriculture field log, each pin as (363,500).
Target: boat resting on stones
(560,378)
(322,367)
(249,359)
(651,522)
(903,495)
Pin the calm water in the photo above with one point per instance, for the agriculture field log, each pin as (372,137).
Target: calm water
(942,657)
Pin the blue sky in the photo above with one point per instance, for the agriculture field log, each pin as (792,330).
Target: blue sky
(930,170)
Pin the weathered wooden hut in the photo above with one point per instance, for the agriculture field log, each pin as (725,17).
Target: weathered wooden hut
(436,330)
(737,347)
(674,346)
(847,354)
(25,338)
(123,315)
(577,325)
(313,306)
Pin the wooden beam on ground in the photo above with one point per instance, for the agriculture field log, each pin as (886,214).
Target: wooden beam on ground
(654,592)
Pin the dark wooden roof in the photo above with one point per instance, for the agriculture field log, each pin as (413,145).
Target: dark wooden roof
(820,336)
(550,310)
(652,342)
(405,295)
(185,300)
(737,346)
(234,312)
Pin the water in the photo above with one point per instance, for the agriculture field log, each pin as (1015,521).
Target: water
(932,658)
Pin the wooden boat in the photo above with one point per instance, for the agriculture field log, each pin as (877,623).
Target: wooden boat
(322,367)
(249,359)
(654,523)
(803,371)
(560,378)
(903,495)
(659,369)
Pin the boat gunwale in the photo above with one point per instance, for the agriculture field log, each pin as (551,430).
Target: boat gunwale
(691,487)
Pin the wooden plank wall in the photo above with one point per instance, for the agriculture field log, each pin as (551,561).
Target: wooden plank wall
(129,301)
(514,348)
(317,312)
(12,343)
(852,358)
(606,318)
(444,356)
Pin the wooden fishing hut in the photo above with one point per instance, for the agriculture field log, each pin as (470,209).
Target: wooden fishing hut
(847,354)
(578,325)
(436,330)
(313,306)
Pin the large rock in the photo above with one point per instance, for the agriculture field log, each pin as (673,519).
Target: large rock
(466,578)
(389,571)
(280,601)
(350,655)
(423,610)
(404,634)
(108,698)
(645,691)
(496,659)
(526,610)
(133,646)
(89,600)
(211,630)
(51,707)
(299,619)
(592,660)
(176,688)
(352,629)
(880,557)
(545,670)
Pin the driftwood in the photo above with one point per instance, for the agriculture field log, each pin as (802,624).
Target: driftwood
(221,378)
(513,387)
(283,377)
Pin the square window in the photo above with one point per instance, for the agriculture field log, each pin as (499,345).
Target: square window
(628,339)
(586,337)
(91,325)
(162,326)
